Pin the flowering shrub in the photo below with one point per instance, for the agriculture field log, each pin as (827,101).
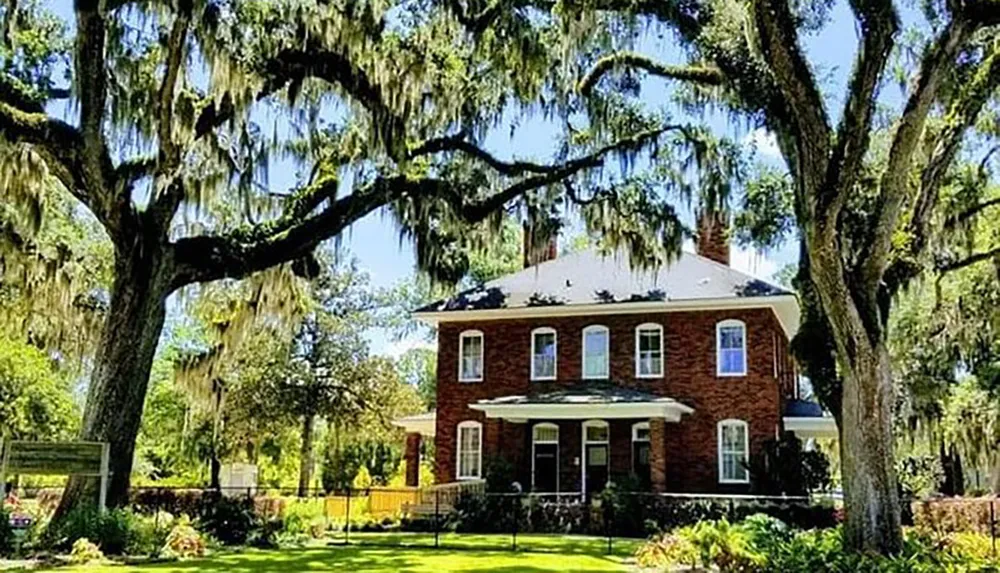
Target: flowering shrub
(667,549)
(761,544)
(84,552)
(184,541)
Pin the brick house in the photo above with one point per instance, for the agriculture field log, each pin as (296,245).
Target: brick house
(579,370)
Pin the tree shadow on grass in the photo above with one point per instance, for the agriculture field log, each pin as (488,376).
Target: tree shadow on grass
(355,558)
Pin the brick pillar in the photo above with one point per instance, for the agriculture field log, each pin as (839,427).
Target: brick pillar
(412,459)
(658,454)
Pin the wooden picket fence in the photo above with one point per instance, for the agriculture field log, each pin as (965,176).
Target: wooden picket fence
(384,501)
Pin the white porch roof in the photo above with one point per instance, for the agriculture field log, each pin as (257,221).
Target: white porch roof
(583,402)
(666,408)
(424,424)
(812,427)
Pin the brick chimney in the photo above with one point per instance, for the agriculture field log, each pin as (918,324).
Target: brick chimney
(712,240)
(533,256)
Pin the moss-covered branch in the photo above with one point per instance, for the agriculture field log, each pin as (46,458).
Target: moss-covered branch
(705,75)
(937,61)
(879,23)
(778,38)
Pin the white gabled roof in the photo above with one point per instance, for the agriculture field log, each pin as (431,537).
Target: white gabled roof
(588,282)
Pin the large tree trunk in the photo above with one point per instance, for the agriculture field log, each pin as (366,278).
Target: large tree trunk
(122,365)
(306,467)
(871,494)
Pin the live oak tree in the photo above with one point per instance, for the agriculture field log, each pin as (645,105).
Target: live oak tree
(866,207)
(944,341)
(161,118)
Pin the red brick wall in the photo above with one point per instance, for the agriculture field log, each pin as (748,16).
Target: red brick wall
(690,377)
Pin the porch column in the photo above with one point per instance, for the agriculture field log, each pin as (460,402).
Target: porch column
(658,454)
(412,459)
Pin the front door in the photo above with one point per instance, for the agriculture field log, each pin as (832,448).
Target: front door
(597,468)
(546,468)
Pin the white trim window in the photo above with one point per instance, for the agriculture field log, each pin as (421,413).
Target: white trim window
(470,451)
(731,348)
(734,448)
(595,433)
(544,434)
(596,352)
(543,354)
(640,432)
(649,351)
(470,356)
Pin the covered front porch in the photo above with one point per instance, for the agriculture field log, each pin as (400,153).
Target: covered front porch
(578,439)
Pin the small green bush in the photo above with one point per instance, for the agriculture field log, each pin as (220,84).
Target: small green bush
(230,520)
(115,531)
(84,551)
(305,517)
(725,546)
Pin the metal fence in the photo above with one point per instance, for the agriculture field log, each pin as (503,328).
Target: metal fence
(466,517)
(611,523)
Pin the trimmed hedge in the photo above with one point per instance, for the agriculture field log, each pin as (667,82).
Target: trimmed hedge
(622,514)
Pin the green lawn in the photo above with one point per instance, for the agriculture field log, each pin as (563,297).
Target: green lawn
(410,553)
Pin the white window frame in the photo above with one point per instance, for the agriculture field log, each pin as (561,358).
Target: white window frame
(638,330)
(635,431)
(607,352)
(467,334)
(746,450)
(718,348)
(583,450)
(555,349)
(535,441)
(468,424)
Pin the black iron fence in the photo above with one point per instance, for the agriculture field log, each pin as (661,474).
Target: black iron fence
(464,517)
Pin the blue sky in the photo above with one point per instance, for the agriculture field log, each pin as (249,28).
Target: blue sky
(374,241)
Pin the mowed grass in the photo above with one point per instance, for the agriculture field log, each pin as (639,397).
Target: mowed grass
(410,553)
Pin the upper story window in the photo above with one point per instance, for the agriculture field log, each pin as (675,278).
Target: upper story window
(470,352)
(731,346)
(543,354)
(470,450)
(596,354)
(649,351)
(733,452)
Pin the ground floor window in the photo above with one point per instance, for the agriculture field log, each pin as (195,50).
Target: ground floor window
(733,452)
(470,450)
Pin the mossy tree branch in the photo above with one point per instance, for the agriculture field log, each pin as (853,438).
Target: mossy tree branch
(704,75)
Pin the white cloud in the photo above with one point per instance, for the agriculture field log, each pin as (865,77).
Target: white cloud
(764,141)
(397,348)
